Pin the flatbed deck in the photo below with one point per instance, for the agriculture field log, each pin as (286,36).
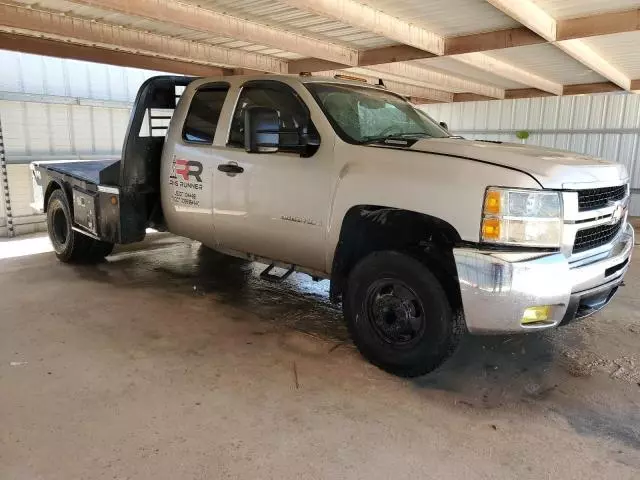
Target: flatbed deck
(87,170)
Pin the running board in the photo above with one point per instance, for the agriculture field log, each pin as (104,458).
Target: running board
(267,275)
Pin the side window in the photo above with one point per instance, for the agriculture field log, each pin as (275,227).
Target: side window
(204,112)
(293,113)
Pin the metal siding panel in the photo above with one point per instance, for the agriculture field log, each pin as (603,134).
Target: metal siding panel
(457,118)
(634,209)
(134,79)
(10,80)
(536,120)
(482,115)
(635,171)
(20,190)
(446,116)
(562,141)
(59,129)
(565,112)
(626,151)
(547,140)
(578,142)
(55,81)
(13,128)
(506,114)
(102,135)
(37,125)
(119,122)
(493,118)
(626,147)
(117,84)
(468,115)
(98,81)
(632,112)
(551,112)
(32,72)
(521,113)
(598,114)
(78,79)
(82,130)
(609,148)
(581,111)
(593,144)
(616,111)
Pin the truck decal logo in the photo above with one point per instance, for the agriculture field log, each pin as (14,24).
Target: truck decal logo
(189,168)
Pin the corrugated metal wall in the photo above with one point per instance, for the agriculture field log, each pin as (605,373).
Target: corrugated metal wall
(602,125)
(53,108)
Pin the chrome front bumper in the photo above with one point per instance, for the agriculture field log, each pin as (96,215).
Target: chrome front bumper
(497,287)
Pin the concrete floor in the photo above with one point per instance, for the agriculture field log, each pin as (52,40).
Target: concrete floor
(170,362)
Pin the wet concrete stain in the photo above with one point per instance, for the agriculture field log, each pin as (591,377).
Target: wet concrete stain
(486,372)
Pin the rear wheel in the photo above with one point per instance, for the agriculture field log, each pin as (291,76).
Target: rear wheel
(399,315)
(68,244)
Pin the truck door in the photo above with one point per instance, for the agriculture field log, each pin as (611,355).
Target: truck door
(189,165)
(273,204)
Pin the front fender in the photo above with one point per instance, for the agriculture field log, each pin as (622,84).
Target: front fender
(451,189)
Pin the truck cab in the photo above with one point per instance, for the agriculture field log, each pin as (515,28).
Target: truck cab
(424,236)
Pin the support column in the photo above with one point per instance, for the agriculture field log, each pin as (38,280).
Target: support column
(4,185)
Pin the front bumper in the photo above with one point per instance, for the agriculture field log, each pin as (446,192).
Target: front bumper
(497,287)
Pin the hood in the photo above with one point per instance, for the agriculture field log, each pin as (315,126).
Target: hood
(557,169)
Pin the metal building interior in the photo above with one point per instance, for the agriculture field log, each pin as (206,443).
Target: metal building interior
(567,72)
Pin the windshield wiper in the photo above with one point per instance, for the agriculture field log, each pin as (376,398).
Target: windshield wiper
(394,136)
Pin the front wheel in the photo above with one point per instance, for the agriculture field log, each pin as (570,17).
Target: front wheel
(68,244)
(399,315)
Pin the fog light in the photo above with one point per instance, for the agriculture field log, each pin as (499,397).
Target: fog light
(536,314)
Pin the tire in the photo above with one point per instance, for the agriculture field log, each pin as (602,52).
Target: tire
(399,315)
(71,246)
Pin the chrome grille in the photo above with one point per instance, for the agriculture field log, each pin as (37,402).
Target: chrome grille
(595,236)
(595,198)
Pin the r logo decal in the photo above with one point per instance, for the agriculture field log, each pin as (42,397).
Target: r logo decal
(188,168)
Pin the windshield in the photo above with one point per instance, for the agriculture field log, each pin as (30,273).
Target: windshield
(364,114)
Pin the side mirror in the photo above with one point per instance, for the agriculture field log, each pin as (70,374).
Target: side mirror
(261,130)
(444,125)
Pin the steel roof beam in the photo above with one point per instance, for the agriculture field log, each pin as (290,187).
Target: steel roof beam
(14,19)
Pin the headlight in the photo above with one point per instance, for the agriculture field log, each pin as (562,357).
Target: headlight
(522,217)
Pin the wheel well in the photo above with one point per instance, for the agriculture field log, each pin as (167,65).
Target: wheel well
(370,228)
(52,187)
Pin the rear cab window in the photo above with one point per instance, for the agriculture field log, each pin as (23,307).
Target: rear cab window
(204,112)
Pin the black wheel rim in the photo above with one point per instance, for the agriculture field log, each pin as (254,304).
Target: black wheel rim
(60,228)
(395,312)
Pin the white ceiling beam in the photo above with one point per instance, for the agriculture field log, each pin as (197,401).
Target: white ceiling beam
(408,71)
(222,25)
(508,71)
(530,15)
(53,48)
(26,21)
(372,20)
(585,55)
(405,89)
(534,17)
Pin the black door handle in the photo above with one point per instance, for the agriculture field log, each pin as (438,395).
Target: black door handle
(230,168)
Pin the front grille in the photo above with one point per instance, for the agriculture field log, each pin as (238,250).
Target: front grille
(595,198)
(595,237)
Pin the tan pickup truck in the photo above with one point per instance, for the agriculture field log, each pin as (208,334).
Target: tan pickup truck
(424,236)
